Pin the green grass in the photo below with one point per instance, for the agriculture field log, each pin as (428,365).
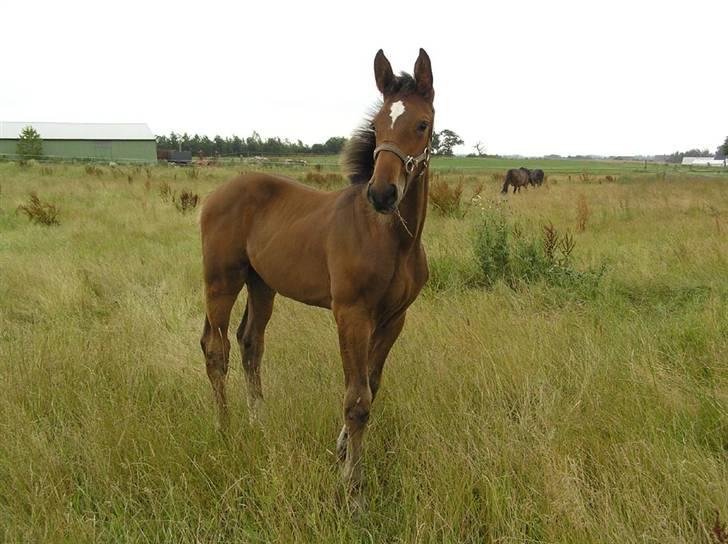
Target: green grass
(524,413)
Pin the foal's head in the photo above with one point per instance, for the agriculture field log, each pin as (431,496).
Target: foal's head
(397,140)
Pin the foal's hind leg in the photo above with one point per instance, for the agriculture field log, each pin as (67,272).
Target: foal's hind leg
(251,334)
(220,295)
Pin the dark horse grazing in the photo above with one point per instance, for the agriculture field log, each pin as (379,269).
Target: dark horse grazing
(535,177)
(356,251)
(517,178)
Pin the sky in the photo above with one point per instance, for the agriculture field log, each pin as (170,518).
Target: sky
(528,78)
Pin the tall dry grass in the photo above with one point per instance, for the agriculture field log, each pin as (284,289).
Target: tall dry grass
(513,413)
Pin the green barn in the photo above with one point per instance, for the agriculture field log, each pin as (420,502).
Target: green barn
(117,142)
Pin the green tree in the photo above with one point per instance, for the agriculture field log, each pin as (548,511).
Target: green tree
(724,148)
(173,140)
(678,156)
(219,142)
(254,143)
(435,143)
(335,144)
(30,145)
(446,139)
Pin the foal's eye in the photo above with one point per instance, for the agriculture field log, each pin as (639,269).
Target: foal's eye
(422,126)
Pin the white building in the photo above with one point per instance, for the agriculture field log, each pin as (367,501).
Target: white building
(703,161)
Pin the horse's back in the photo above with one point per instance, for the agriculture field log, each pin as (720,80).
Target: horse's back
(267,222)
(251,190)
(516,176)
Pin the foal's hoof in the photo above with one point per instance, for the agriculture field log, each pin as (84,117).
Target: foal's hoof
(341,445)
(222,422)
(256,412)
(357,504)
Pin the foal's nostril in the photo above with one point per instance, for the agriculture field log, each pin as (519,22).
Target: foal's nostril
(391,195)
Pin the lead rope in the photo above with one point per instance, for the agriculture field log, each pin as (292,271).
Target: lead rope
(401,220)
(396,210)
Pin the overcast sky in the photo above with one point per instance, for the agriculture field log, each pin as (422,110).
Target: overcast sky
(522,77)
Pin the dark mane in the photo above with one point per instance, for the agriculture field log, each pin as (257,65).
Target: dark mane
(402,84)
(357,159)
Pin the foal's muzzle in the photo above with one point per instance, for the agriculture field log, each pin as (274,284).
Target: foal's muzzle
(384,201)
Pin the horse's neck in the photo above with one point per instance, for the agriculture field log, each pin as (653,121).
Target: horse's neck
(413,210)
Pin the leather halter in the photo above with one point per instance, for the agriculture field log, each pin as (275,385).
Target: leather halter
(410,162)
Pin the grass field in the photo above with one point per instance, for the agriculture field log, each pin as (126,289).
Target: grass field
(529,410)
(475,165)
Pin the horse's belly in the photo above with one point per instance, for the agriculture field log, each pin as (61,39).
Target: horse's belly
(294,270)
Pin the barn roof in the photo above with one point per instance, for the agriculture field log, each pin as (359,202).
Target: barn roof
(10,130)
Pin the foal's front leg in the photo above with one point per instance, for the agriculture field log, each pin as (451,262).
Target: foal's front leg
(355,330)
(382,339)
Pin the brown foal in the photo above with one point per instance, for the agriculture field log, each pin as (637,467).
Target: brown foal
(356,251)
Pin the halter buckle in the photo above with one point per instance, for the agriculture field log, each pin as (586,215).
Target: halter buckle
(410,164)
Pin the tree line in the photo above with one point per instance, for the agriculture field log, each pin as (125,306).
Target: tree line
(442,144)
(252,145)
(678,156)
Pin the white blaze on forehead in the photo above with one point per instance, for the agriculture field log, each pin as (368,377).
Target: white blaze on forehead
(396,110)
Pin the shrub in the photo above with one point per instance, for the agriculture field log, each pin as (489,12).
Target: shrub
(323,180)
(39,212)
(502,251)
(477,190)
(491,246)
(445,198)
(165,192)
(529,262)
(582,213)
(93,170)
(447,272)
(23,164)
(186,202)
(30,145)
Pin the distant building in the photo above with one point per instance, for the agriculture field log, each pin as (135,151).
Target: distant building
(118,142)
(704,161)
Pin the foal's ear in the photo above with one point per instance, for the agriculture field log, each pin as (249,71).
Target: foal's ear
(383,72)
(423,76)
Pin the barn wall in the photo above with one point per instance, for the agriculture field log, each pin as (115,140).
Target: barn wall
(108,150)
